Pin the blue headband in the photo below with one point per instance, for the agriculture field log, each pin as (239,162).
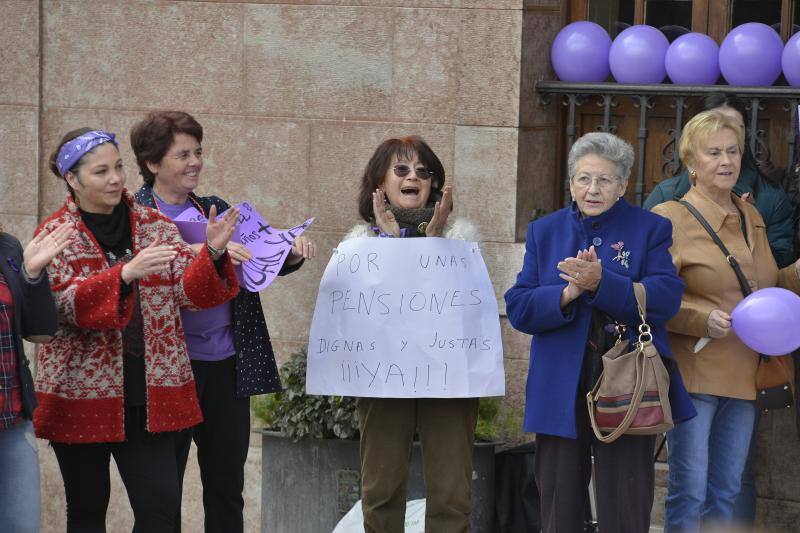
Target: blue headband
(78,147)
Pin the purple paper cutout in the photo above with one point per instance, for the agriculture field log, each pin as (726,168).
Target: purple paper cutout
(270,246)
(192,232)
(191,215)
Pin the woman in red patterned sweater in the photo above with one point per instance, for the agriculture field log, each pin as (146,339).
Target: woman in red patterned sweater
(116,378)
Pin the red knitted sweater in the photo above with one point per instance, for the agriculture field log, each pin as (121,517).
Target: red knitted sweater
(79,381)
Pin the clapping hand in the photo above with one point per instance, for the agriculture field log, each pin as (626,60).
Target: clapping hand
(219,230)
(383,217)
(44,247)
(151,260)
(584,270)
(441,211)
(584,265)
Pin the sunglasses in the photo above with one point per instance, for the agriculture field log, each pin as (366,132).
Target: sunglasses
(401,171)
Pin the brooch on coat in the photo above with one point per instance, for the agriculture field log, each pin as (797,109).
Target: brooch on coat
(622,256)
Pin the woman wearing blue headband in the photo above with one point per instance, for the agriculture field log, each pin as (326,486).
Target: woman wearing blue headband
(115,380)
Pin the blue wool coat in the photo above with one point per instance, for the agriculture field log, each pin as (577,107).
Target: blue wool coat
(559,338)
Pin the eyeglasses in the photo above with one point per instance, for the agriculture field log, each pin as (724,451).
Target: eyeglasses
(401,171)
(603,182)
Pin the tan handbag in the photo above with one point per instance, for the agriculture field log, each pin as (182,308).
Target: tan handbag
(631,397)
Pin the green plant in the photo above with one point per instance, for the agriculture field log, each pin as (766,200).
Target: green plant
(300,415)
(497,421)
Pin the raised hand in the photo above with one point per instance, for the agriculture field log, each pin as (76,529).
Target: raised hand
(151,260)
(44,247)
(383,217)
(219,231)
(441,211)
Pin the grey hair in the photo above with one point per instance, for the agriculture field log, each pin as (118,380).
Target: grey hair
(605,145)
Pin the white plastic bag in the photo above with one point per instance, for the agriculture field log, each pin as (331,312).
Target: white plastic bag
(353,521)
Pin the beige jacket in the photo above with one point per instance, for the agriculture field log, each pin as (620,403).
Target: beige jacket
(725,367)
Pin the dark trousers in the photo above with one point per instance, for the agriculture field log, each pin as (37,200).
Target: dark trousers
(446,431)
(624,475)
(222,440)
(146,464)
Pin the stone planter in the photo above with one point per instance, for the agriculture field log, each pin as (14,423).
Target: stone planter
(310,484)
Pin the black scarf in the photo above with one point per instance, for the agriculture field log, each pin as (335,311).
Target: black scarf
(414,220)
(112,231)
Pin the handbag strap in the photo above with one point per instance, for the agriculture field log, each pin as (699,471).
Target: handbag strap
(640,293)
(743,284)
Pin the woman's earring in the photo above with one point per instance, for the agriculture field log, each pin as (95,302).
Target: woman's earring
(693,174)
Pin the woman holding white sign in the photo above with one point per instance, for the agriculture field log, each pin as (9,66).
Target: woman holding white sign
(571,303)
(403,195)
(228,345)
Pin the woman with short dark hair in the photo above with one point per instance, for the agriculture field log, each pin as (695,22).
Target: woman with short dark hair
(228,345)
(403,194)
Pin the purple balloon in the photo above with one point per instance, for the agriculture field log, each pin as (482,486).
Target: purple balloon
(580,52)
(790,60)
(637,55)
(693,59)
(767,321)
(751,55)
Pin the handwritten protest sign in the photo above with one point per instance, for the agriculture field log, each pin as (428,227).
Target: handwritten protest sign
(270,246)
(406,318)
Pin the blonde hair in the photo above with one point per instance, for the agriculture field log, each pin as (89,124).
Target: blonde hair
(700,128)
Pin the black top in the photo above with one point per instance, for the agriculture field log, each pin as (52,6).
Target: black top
(602,337)
(113,234)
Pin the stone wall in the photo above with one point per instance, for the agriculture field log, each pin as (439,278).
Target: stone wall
(293,96)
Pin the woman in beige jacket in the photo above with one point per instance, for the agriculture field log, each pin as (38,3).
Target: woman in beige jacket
(707,454)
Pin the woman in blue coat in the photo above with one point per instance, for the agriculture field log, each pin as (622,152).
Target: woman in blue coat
(575,286)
